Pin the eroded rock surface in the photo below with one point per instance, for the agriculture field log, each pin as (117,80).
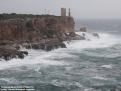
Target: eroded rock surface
(8,53)
(36,32)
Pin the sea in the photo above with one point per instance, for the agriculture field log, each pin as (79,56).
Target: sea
(85,65)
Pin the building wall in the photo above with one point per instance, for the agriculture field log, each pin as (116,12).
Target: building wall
(63,11)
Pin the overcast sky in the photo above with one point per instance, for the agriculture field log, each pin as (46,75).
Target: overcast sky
(79,8)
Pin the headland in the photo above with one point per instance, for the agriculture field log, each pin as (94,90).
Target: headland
(46,32)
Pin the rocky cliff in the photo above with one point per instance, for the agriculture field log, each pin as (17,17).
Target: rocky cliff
(38,32)
(35,29)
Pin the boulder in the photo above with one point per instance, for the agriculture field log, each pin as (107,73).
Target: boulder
(36,32)
(48,45)
(83,29)
(96,35)
(9,53)
(74,36)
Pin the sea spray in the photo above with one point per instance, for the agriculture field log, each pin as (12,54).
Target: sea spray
(43,57)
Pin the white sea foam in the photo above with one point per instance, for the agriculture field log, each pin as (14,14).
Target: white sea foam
(89,89)
(9,80)
(35,57)
(107,66)
(105,40)
(47,58)
(100,78)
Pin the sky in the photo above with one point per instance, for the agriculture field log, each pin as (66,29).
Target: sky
(83,9)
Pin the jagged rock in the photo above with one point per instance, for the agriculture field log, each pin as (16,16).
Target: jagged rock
(79,37)
(30,32)
(83,29)
(34,29)
(74,36)
(96,35)
(9,53)
(5,42)
(48,45)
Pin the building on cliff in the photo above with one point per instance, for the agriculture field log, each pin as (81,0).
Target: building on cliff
(63,12)
(69,12)
(45,32)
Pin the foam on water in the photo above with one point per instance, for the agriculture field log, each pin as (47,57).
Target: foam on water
(107,66)
(47,58)
(105,40)
(100,78)
(34,57)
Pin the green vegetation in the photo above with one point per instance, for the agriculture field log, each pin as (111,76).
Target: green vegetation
(49,33)
(6,16)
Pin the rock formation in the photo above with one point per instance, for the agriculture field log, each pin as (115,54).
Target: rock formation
(34,29)
(83,29)
(37,32)
(96,35)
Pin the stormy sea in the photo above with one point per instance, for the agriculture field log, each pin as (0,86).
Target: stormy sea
(85,65)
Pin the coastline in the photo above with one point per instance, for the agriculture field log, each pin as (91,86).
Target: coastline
(34,32)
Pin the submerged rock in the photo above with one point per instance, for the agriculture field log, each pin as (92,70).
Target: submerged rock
(96,35)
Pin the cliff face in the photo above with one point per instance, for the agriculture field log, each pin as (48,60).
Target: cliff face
(35,29)
(39,32)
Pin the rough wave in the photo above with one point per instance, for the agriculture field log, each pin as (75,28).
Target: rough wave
(105,40)
(47,58)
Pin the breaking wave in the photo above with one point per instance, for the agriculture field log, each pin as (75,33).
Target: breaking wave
(85,65)
(46,58)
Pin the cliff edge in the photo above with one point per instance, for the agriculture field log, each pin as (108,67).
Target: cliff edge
(45,32)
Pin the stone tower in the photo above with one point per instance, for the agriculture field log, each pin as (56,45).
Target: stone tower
(69,12)
(63,11)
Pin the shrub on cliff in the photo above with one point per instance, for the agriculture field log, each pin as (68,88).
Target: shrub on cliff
(49,33)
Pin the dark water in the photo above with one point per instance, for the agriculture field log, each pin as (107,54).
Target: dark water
(83,66)
(110,26)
